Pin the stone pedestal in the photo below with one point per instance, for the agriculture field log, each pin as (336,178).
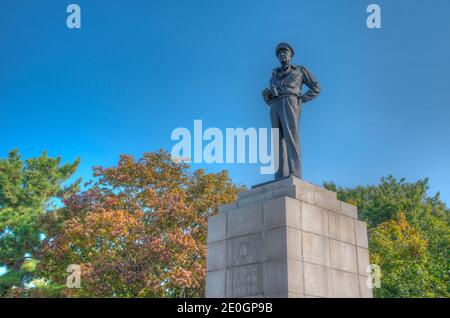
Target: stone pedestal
(288,238)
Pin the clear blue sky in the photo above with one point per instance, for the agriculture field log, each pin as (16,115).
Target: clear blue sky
(138,69)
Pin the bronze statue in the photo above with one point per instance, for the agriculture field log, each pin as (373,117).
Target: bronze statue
(285,100)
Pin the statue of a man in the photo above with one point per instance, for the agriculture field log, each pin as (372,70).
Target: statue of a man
(285,100)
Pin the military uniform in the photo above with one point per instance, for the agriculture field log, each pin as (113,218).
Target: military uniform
(285,102)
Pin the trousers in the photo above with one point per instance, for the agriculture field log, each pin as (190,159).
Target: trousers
(285,115)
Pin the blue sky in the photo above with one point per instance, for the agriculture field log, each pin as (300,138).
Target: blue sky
(139,69)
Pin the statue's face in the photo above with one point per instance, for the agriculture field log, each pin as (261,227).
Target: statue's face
(284,56)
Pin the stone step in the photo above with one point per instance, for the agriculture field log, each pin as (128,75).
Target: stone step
(295,188)
(260,190)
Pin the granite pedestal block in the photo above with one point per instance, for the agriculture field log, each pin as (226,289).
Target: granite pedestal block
(287,238)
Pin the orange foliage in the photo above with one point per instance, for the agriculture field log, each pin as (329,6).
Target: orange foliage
(140,230)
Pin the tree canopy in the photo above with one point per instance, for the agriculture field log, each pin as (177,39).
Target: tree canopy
(408,236)
(26,192)
(138,231)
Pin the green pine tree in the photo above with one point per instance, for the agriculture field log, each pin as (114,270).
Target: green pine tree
(28,190)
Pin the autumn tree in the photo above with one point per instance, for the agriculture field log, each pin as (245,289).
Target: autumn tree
(138,231)
(26,192)
(401,252)
(409,236)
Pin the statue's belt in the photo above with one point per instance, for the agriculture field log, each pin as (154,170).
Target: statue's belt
(280,96)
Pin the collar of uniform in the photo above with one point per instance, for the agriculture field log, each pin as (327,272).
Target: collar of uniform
(279,70)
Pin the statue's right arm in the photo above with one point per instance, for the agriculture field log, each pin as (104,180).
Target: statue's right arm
(266,96)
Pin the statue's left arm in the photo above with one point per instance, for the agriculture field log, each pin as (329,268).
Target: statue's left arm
(313,85)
